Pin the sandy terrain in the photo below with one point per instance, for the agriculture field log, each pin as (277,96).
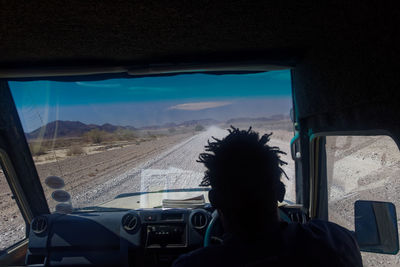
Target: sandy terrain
(12,225)
(359,168)
(81,174)
(362,168)
(167,162)
(173,169)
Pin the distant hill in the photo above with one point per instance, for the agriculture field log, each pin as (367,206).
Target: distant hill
(203,122)
(71,129)
(262,119)
(65,129)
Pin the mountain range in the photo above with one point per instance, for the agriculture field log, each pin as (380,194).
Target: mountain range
(69,129)
(61,129)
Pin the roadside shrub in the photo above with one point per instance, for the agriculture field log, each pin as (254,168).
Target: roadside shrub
(37,149)
(57,143)
(75,150)
(199,128)
(151,135)
(96,136)
(172,130)
(125,134)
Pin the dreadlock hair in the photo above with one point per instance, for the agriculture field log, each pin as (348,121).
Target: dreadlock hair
(244,172)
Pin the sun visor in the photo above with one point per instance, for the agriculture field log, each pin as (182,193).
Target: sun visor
(329,100)
(101,73)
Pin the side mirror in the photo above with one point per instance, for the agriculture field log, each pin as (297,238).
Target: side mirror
(376,227)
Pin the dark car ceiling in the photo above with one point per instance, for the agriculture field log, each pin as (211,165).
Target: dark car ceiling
(344,53)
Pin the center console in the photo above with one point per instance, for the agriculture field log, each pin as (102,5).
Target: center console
(165,235)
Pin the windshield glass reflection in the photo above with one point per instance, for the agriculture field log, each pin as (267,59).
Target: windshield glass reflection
(116,139)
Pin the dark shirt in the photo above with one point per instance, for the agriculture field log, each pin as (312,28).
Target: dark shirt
(317,243)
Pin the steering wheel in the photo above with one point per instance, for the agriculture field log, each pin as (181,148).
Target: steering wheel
(211,228)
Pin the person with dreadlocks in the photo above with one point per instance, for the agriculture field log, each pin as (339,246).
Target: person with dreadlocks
(244,173)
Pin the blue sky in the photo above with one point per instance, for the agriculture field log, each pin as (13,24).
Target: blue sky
(152,100)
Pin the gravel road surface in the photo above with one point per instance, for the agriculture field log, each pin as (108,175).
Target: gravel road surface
(174,168)
(361,168)
(167,162)
(358,168)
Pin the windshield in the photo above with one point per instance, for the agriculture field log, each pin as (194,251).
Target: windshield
(114,139)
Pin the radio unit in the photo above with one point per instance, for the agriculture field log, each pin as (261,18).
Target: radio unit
(161,235)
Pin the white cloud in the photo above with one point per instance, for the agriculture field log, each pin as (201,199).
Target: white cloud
(200,105)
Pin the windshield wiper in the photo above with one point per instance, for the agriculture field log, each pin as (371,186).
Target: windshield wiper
(97,208)
(199,189)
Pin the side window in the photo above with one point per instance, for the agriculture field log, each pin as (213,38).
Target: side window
(12,224)
(362,168)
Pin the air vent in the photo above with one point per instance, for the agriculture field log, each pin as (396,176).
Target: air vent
(199,219)
(130,222)
(39,224)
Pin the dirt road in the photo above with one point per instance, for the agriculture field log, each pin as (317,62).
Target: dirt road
(358,168)
(167,162)
(174,168)
(84,173)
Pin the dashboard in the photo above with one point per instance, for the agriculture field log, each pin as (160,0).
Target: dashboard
(154,237)
(126,238)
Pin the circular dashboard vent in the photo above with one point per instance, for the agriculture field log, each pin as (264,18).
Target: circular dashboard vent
(39,224)
(199,219)
(130,222)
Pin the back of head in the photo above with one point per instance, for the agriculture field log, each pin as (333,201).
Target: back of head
(244,173)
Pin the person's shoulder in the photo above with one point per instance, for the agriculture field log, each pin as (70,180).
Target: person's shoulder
(330,239)
(317,227)
(325,232)
(334,231)
(317,224)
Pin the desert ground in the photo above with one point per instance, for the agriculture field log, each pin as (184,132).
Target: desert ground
(358,168)
(82,174)
(362,168)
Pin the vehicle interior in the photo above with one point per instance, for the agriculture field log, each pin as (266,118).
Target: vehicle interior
(342,120)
